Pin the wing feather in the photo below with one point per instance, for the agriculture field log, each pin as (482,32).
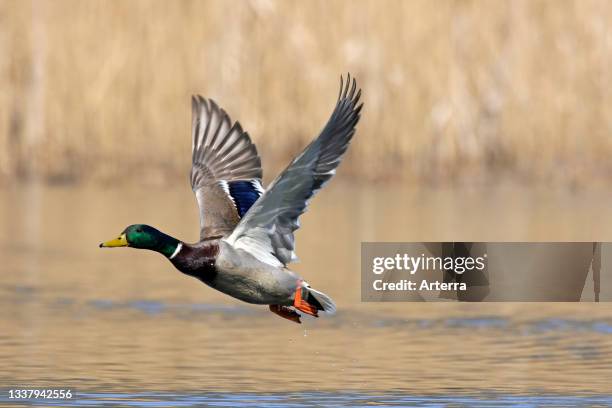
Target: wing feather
(266,231)
(222,154)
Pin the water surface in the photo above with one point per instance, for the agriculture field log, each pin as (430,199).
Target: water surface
(122,327)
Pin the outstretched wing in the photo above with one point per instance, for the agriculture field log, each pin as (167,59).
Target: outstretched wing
(266,231)
(225,171)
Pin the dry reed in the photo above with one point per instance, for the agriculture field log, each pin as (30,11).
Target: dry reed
(99,91)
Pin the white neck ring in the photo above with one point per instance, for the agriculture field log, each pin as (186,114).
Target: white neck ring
(177,250)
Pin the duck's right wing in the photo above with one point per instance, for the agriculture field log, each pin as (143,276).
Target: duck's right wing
(266,231)
(225,171)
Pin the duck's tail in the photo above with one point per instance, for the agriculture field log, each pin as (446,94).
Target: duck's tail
(309,300)
(325,303)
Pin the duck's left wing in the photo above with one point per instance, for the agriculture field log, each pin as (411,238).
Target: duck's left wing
(226,170)
(266,231)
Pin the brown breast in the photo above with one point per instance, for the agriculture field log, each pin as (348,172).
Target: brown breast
(198,260)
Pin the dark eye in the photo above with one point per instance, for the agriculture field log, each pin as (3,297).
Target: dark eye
(139,230)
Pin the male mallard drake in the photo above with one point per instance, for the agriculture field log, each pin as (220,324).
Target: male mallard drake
(246,233)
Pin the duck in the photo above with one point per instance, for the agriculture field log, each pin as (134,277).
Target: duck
(247,232)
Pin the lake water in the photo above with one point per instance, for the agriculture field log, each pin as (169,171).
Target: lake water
(122,327)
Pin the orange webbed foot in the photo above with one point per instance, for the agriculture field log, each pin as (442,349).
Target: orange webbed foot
(286,313)
(303,306)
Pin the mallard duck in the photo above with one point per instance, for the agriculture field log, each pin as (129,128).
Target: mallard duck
(246,232)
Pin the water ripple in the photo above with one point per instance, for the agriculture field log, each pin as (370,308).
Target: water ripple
(316,399)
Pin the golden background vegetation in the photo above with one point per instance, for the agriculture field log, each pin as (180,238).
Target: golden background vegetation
(99,91)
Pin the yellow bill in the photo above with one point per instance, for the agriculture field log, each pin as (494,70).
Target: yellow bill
(117,242)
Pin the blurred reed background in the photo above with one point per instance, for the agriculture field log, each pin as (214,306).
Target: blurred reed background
(99,91)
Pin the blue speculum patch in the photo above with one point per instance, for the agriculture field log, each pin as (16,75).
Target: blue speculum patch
(244,194)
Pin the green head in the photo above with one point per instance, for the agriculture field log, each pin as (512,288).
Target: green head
(144,237)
